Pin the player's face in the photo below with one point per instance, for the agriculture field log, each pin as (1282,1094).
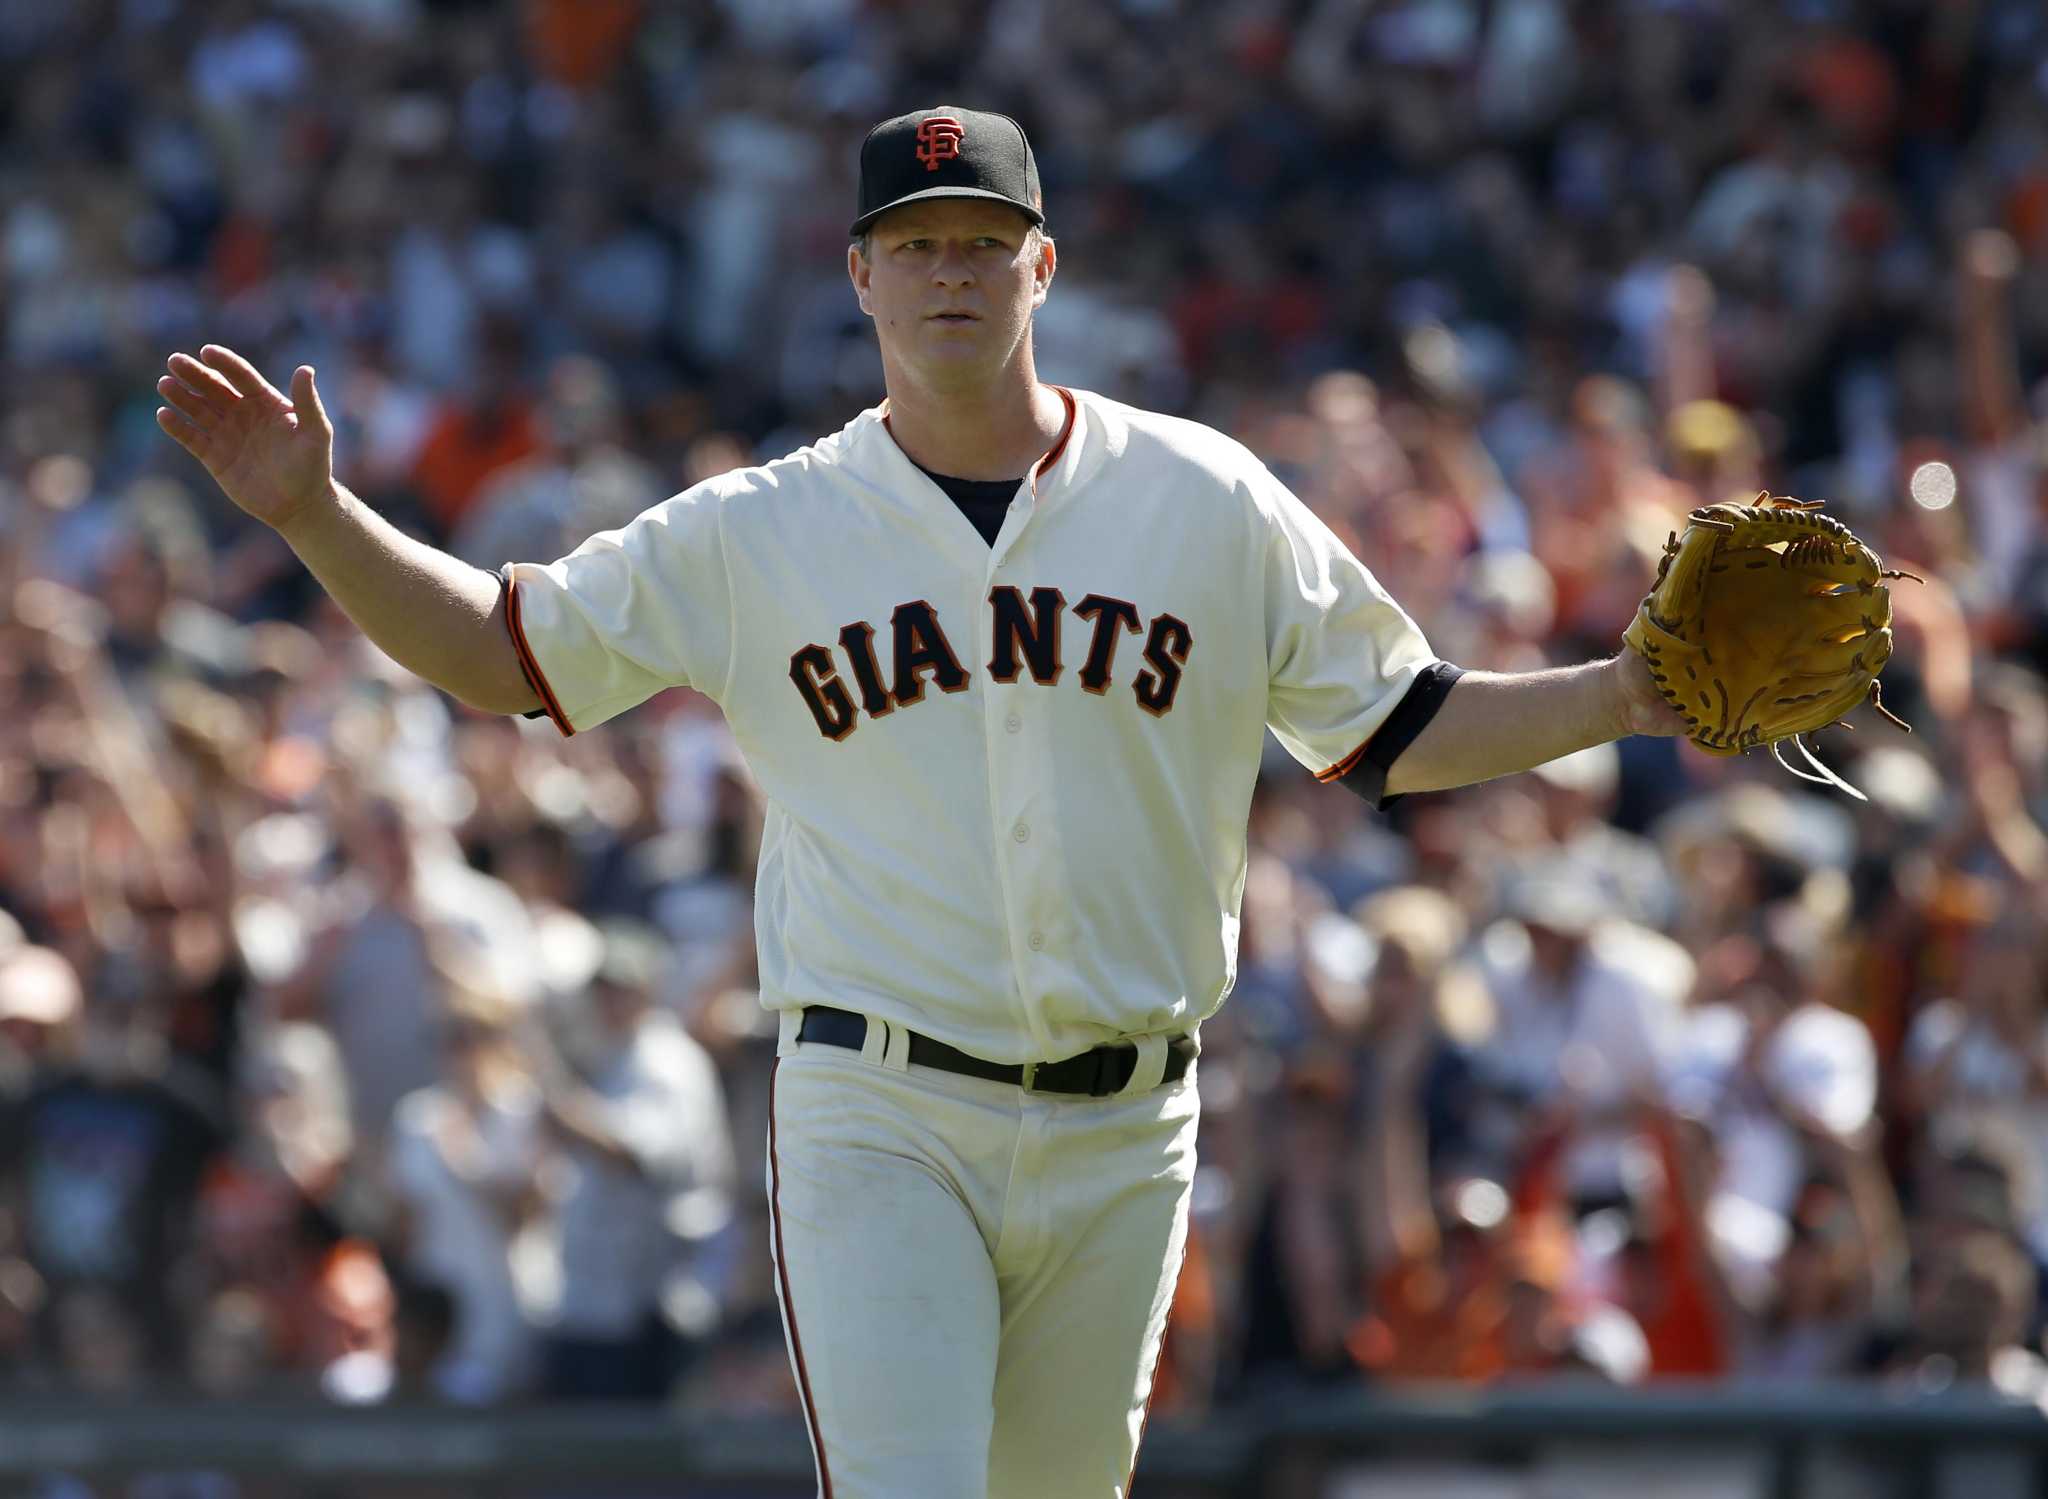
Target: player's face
(951,285)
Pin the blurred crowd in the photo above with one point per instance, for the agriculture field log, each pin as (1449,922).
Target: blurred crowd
(354,1043)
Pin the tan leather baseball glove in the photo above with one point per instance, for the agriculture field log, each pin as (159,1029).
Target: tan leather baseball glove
(1766,622)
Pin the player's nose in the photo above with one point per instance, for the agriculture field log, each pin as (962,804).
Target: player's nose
(952,267)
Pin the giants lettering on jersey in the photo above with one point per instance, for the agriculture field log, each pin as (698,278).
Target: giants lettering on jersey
(1025,630)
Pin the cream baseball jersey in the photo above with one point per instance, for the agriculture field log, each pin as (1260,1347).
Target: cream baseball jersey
(1007,786)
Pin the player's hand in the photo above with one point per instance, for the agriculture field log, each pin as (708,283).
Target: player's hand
(272,455)
(1641,709)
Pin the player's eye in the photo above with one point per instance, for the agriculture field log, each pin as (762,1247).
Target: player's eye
(915,244)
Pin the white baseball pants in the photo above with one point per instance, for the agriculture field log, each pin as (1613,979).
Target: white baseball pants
(974,1279)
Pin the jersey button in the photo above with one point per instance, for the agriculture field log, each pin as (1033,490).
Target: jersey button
(1036,941)
(1013,723)
(1021,833)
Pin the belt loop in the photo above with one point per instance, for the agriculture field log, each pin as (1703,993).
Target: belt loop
(877,1040)
(895,1045)
(1151,1068)
(789,1022)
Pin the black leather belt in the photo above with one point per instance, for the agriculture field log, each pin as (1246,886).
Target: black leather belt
(1097,1073)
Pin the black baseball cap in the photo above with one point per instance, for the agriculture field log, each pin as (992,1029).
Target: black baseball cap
(946,153)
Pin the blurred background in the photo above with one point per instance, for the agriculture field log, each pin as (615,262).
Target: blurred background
(357,1050)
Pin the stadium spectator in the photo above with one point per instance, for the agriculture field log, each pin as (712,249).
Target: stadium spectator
(638,1117)
(1971,1313)
(368,974)
(1577,1032)
(103,1156)
(463,1163)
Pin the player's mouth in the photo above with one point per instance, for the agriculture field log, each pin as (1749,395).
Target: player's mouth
(954,317)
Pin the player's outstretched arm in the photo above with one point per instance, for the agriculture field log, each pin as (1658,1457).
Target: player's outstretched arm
(273,456)
(1494,725)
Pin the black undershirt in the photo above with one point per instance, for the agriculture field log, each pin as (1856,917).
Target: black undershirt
(983,501)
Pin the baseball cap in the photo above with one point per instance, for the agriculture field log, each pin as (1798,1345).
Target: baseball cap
(1554,894)
(634,954)
(945,153)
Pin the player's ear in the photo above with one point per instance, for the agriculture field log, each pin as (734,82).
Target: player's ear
(1042,273)
(860,273)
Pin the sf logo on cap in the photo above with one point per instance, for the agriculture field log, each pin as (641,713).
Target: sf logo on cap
(938,139)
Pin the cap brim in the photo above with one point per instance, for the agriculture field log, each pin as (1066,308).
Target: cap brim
(860,225)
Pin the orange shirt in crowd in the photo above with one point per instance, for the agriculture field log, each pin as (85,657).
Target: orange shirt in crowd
(464,447)
(1684,1334)
(579,43)
(1422,1328)
(1682,1326)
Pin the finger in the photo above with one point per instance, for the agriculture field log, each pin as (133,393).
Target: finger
(207,382)
(192,407)
(241,374)
(187,436)
(306,399)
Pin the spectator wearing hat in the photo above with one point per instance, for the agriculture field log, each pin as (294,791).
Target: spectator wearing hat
(1577,1032)
(1578,796)
(1771,1067)
(1715,452)
(462,1163)
(644,1184)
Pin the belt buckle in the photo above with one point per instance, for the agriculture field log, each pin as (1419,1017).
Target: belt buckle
(1029,1078)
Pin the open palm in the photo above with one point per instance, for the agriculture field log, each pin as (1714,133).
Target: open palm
(272,455)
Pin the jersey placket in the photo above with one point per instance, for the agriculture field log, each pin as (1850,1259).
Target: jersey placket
(1017,727)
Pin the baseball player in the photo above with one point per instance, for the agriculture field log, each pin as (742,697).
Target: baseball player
(1001,656)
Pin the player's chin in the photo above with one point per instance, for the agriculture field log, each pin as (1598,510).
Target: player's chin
(956,348)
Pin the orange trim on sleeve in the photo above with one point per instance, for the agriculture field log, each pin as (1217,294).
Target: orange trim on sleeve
(1345,766)
(530,668)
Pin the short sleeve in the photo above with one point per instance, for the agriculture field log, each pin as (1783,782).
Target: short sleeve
(1341,654)
(628,613)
